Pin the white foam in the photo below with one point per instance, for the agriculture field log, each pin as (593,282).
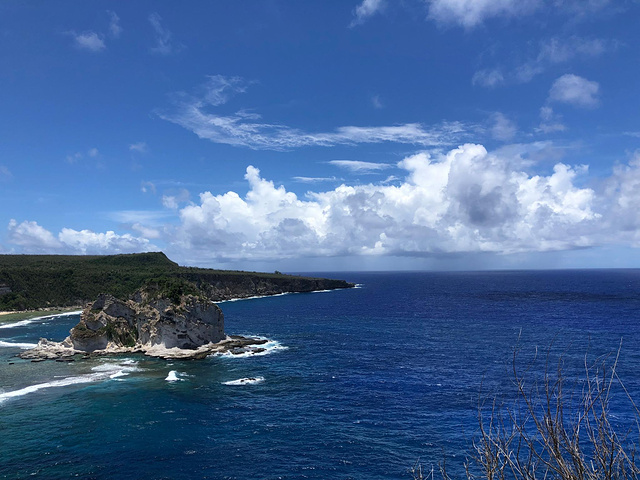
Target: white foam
(42,319)
(24,346)
(268,348)
(321,291)
(255,297)
(101,372)
(245,381)
(21,323)
(173,376)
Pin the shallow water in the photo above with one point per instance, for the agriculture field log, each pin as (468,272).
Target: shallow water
(358,383)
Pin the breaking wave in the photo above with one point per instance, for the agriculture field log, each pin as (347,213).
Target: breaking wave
(245,381)
(41,319)
(272,346)
(105,371)
(24,346)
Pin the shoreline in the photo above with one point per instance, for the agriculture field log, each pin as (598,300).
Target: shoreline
(27,314)
(43,312)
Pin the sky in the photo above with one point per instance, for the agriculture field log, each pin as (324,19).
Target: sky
(323,135)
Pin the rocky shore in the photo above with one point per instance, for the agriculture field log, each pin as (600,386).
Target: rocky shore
(172,321)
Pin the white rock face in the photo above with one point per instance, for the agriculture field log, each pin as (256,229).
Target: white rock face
(146,322)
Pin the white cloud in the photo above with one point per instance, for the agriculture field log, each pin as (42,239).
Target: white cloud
(488,78)
(33,238)
(470,13)
(140,147)
(5,173)
(90,41)
(503,128)
(365,10)
(146,232)
(468,200)
(115,30)
(170,202)
(558,50)
(75,157)
(550,51)
(87,242)
(550,121)
(575,90)
(316,179)
(376,102)
(164,43)
(194,113)
(359,166)
(173,198)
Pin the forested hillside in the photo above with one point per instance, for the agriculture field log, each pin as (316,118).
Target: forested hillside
(38,281)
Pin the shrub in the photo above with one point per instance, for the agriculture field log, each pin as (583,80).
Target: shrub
(555,428)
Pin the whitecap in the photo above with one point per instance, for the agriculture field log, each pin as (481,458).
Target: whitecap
(255,297)
(105,371)
(173,376)
(245,381)
(268,348)
(42,319)
(24,346)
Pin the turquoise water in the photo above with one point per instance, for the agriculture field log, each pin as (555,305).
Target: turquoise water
(358,383)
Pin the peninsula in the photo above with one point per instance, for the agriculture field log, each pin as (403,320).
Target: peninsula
(31,282)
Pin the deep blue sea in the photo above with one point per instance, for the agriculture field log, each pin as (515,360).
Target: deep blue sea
(358,384)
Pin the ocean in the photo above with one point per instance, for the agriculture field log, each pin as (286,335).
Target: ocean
(358,383)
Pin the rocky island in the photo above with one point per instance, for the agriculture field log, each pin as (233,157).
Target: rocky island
(166,319)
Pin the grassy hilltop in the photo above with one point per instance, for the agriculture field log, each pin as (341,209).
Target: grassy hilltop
(38,281)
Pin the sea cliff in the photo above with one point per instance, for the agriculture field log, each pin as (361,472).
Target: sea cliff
(167,320)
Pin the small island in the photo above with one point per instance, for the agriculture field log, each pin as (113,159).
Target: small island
(141,303)
(166,319)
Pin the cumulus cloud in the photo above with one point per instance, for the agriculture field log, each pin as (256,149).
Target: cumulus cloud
(33,238)
(90,41)
(575,90)
(468,200)
(365,10)
(164,38)
(87,242)
(470,13)
(194,113)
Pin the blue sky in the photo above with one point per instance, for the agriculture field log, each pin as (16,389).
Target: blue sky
(323,135)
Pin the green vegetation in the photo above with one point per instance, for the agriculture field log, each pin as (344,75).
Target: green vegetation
(39,281)
(171,288)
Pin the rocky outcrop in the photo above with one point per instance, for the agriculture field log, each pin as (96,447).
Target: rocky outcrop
(182,326)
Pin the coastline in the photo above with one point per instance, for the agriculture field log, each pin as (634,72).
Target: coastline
(42,312)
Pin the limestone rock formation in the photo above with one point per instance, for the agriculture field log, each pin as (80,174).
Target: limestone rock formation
(174,322)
